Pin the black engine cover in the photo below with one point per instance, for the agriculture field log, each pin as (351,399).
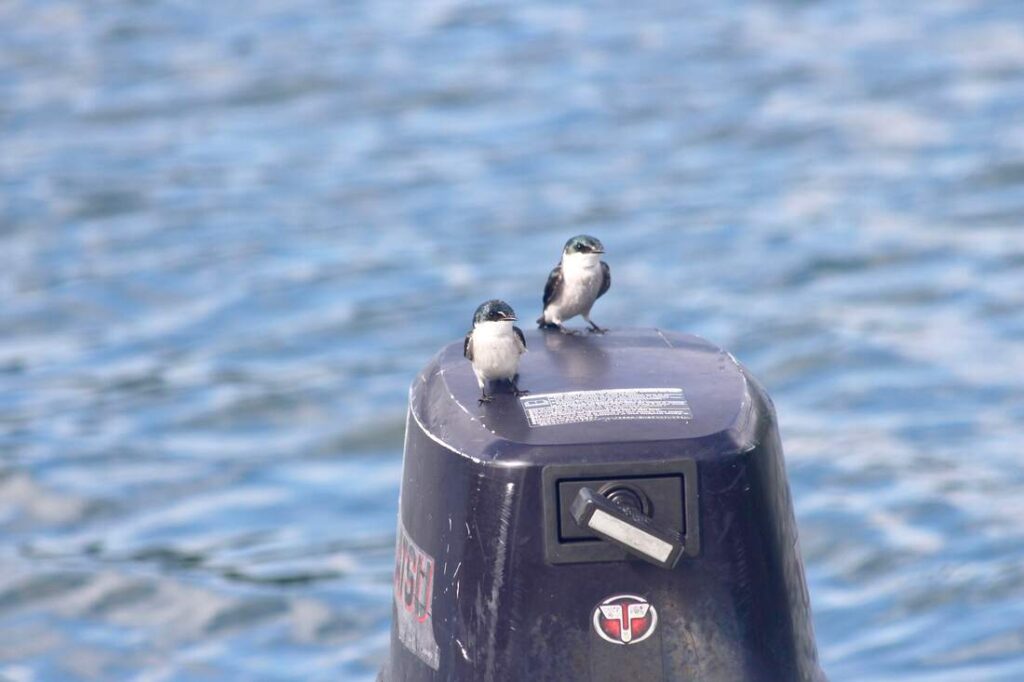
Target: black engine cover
(495,582)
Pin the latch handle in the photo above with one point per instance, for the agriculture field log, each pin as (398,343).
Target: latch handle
(627,528)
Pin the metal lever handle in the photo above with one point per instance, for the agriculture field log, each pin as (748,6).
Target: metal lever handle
(627,528)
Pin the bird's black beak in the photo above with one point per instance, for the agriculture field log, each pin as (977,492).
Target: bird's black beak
(509,318)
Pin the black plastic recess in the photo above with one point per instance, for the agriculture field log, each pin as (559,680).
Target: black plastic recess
(668,490)
(660,497)
(628,528)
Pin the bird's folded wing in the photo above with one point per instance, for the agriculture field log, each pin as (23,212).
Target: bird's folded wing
(553,289)
(606,284)
(520,339)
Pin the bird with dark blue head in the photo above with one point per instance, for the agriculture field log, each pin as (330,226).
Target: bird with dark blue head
(575,284)
(494,346)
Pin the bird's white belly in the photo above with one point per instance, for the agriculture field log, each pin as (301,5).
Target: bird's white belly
(579,291)
(495,354)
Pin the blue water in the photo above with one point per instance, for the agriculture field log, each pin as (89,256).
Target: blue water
(232,232)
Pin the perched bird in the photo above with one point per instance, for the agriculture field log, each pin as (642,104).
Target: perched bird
(575,283)
(494,346)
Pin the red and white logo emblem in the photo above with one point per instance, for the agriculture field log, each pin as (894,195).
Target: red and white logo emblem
(625,619)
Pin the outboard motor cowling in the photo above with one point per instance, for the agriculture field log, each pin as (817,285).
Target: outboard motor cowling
(629,519)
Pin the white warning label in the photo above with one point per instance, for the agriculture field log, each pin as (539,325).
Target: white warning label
(617,404)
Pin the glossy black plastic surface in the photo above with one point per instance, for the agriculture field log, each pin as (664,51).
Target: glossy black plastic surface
(477,594)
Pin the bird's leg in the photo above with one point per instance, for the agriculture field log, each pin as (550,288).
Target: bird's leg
(484,398)
(546,324)
(594,329)
(516,391)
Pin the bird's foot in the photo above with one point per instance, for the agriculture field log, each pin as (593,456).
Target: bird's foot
(519,391)
(594,329)
(485,399)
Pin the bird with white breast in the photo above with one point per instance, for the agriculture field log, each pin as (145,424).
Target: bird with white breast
(575,284)
(494,346)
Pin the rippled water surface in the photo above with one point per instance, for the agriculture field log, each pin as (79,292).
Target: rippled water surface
(233,231)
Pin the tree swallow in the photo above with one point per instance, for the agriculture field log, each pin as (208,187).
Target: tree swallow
(494,346)
(575,283)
